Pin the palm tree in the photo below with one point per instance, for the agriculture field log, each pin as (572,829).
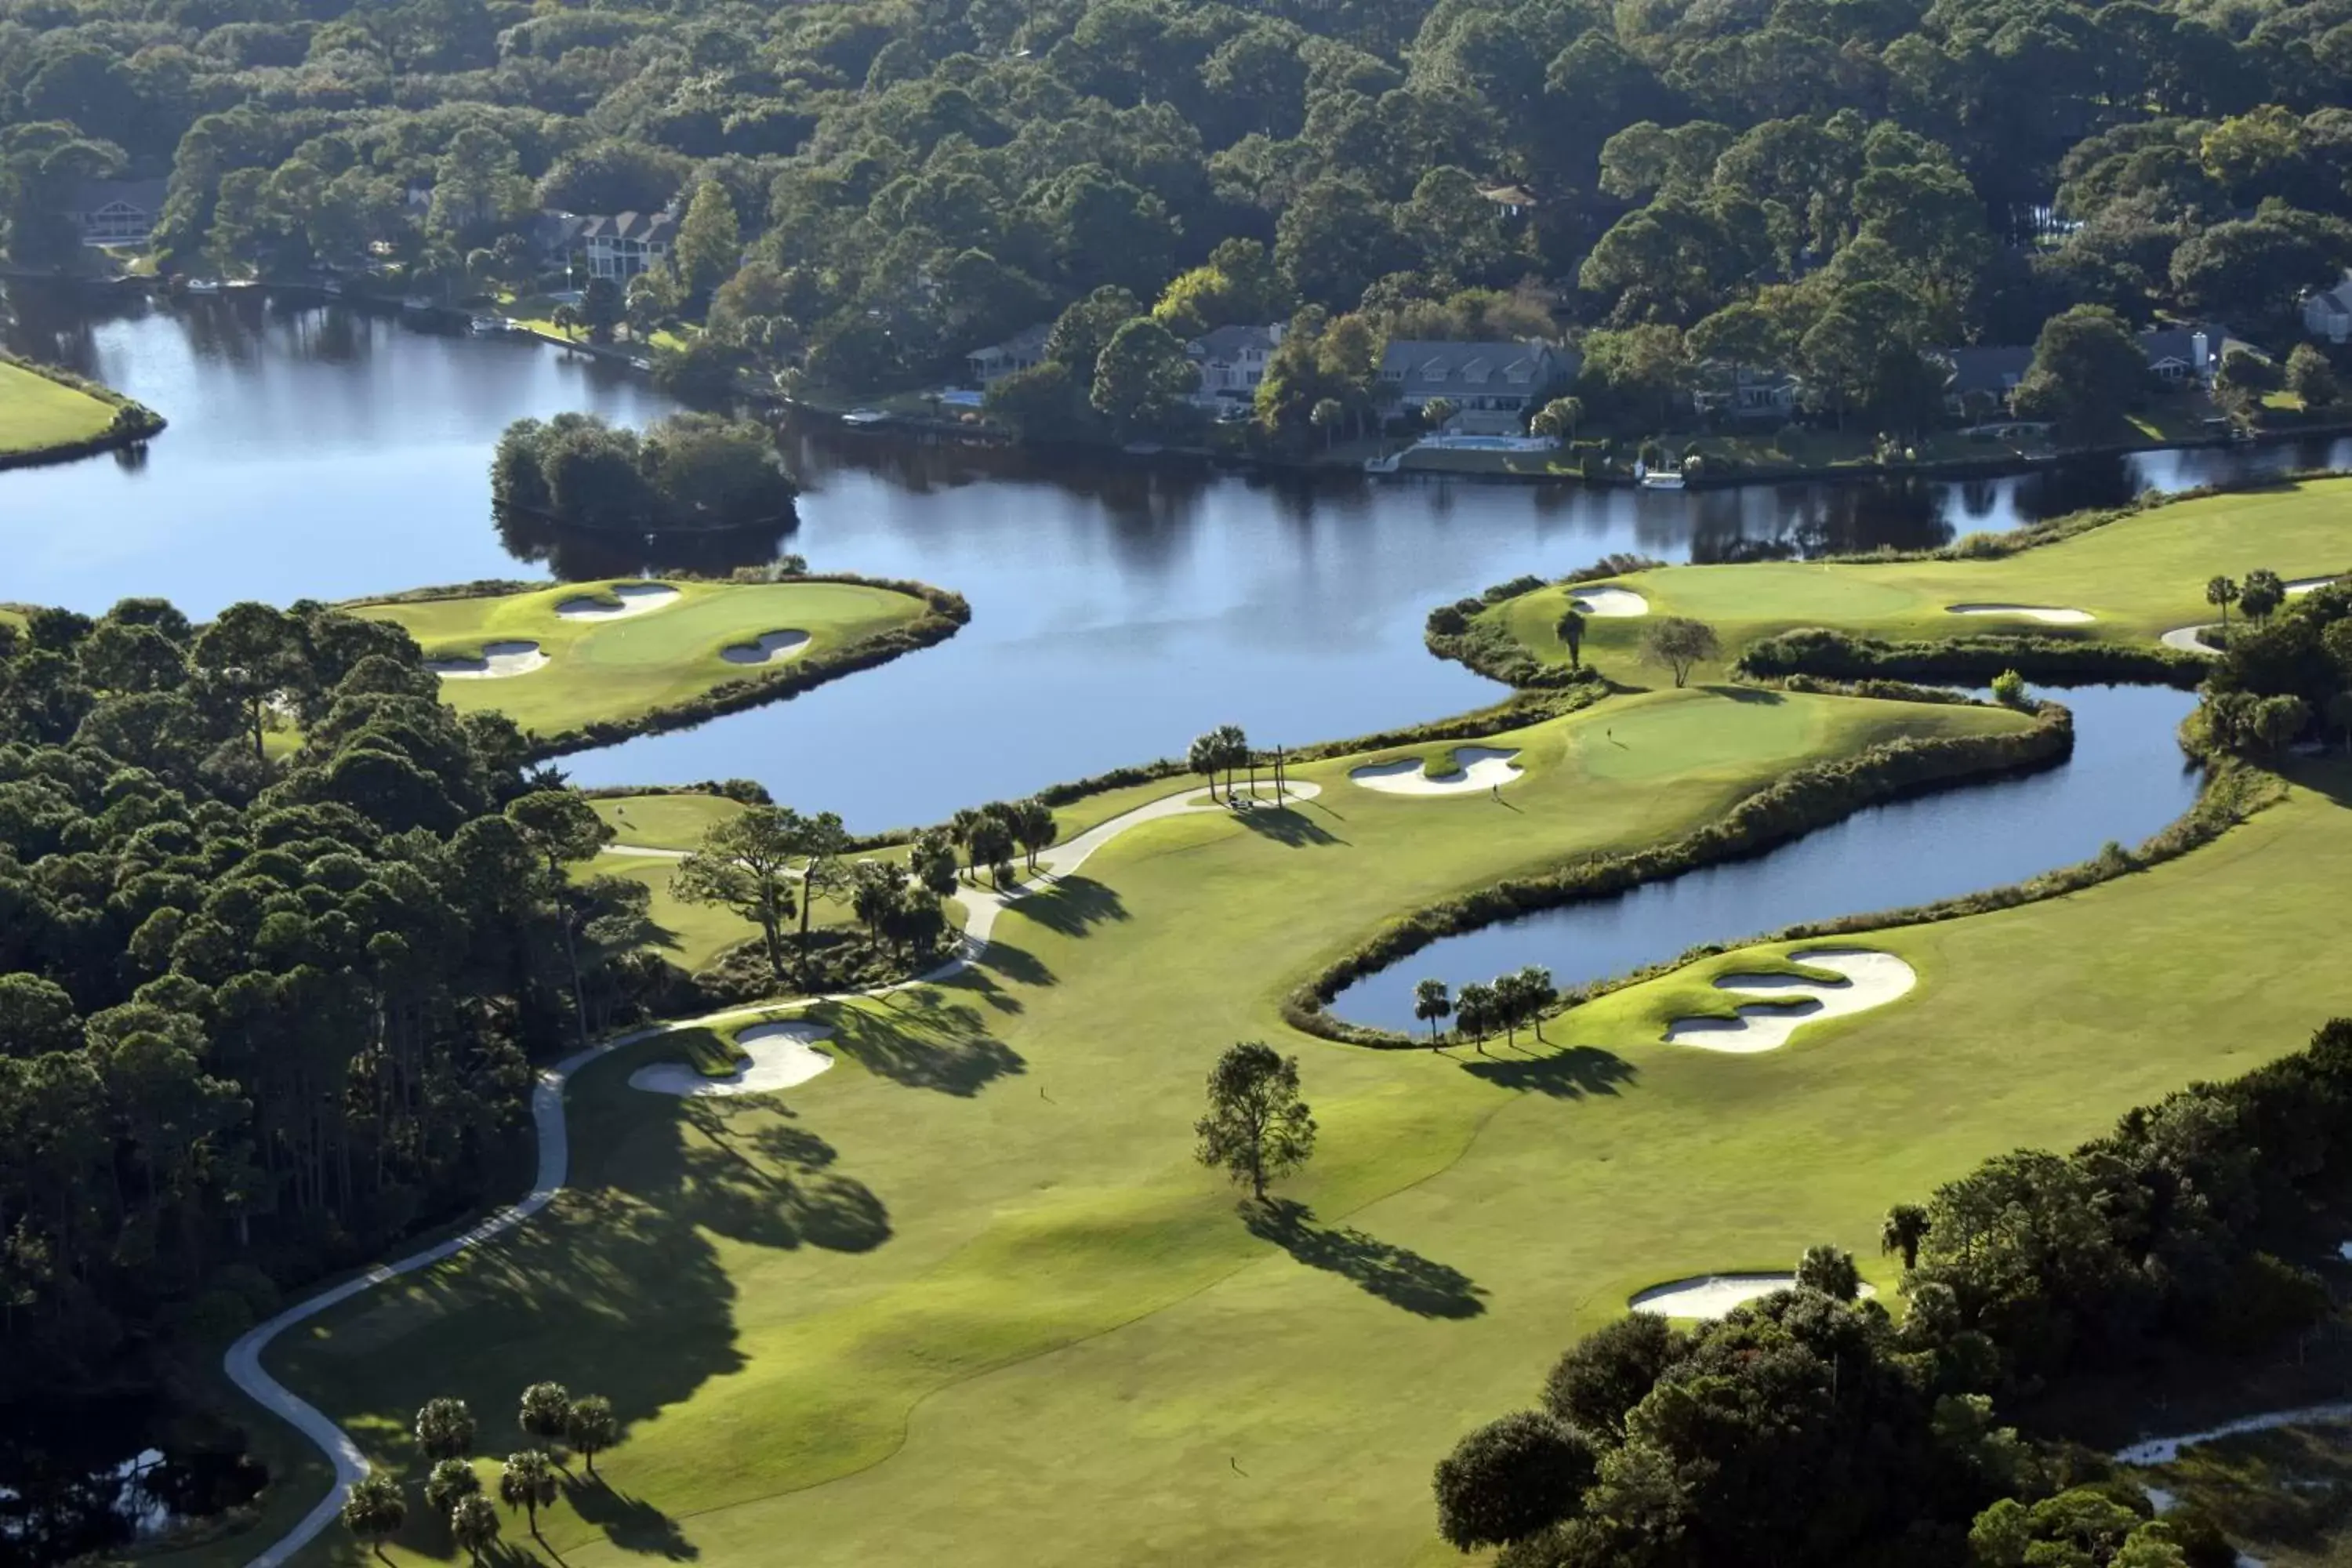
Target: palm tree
(1204,758)
(1473,1010)
(1436,412)
(1539,992)
(1905,1227)
(375,1511)
(1510,1006)
(450,1480)
(2261,596)
(546,1408)
(445,1428)
(527,1482)
(592,1427)
(959,827)
(1035,828)
(1570,627)
(1325,416)
(566,319)
(1234,747)
(474,1525)
(1431,1000)
(1559,418)
(2223,592)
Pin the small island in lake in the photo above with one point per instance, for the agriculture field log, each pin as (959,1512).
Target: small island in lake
(688,471)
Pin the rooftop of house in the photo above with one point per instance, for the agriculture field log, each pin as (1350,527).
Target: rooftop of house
(1229,342)
(1991,367)
(94,196)
(1430,368)
(1027,343)
(1509,195)
(643,228)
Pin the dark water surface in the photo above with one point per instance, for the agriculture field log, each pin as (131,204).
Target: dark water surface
(2126,781)
(316,451)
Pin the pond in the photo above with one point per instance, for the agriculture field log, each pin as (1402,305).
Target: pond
(1119,609)
(2126,780)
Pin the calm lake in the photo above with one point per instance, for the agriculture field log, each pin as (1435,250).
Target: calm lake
(317,451)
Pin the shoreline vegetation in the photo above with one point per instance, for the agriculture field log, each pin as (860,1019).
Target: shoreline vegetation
(51,415)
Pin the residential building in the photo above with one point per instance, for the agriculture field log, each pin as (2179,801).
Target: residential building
(1747,392)
(2181,356)
(117,212)
(2327,313)
(1232,362)
(623,245)
(1492,386)
(1515,200)
(1993,370)
(1025,350)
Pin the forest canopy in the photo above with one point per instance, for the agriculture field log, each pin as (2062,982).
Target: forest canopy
(686,471)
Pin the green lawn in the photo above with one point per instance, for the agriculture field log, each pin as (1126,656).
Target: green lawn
(2138,578)
(627,666)
(990,1211)
(37,412)
(664,821)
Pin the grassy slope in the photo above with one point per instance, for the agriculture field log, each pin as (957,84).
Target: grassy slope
(664,821)
(625,667)
(37,412)
(2141,576)
(1025,1137)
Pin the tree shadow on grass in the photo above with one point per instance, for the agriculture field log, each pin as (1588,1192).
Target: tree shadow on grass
(1763,695)
(1073,906)
(926,1043)
(1397,1275)
(1016,964)
(631,1523)
(1286,825)
(1571,1072)
(769,1187)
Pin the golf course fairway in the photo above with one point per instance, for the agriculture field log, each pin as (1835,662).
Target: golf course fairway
(2135,578)
(667,650)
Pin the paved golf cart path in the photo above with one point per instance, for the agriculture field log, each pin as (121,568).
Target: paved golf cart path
(243,1361)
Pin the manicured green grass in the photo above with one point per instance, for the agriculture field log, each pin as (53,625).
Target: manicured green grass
(37,412)
(2137,577)
(1024,1135)
(627,667)
(664,821)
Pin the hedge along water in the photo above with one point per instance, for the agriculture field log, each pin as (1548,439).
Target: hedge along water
(2126,781)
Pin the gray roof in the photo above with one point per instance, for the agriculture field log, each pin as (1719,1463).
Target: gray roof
(1227,342)
(2173,342)
(1994,368)
(147,195)
(643,228)
(1416,368)
(1027,343)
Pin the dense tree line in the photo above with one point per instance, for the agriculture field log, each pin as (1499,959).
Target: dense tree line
(1812,1427)
(282,937)
(686,471)
(2284,675)
(1832,187)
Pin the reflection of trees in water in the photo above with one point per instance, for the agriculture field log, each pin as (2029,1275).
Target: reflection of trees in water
(2078,484)
(1762,522)
(577,555)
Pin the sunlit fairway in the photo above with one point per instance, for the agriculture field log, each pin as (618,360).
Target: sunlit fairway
(623,666)
(2138,578)
(37,412)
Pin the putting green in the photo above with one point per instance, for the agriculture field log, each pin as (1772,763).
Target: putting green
(993,1215)
(617,667)
(2138,578)
(36,413)
(664,821)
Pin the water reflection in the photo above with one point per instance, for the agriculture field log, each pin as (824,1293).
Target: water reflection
(576,555)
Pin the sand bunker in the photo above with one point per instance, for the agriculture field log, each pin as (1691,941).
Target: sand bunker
(772,648)
(1712,1295)
(782,1055)
(497,660)
(636,598)
(1609,602)
(1872,980)
(2048,614)
(1478,768)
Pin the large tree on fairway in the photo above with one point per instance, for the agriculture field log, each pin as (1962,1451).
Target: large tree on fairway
(1256,1128)
(1233,750)
(2221,593)
(563,829)
(824,843)
(1537,993)
(375,1511)
(1831,1271)
(450,1480)
(1905,1227)
(1570,627)
(1431,1003)
(545,1411)
(2261,595)
(1677,642)
(745,864)
(993,841)
(591,1427)
(1476,1009)
(1034,828)
(932,861)
(1203,757)
(445,1428)
(527,1482)
(1511,1479)
(474,1525)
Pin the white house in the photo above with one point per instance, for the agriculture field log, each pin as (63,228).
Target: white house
(1025,350)
(2327,313)
(117,212)
(1232,362)
(623,245)
(1490,386)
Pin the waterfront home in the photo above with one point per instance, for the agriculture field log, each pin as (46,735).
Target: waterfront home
(1746,390)
(1492,386)
(1988,371)
(1025,350)
(622,245)
(1232,362)
(117,212)
(2327,313)
(2177,357)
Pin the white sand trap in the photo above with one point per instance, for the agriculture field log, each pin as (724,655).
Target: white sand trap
(1712,1295)
(1609,603)
(781,1056)
(1480,768)
(636,598)
(499,659)
(772,648)
(2049,614)
(1872,980)
(2306,584)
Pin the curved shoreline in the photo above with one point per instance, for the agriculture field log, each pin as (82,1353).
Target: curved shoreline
(242,1362)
